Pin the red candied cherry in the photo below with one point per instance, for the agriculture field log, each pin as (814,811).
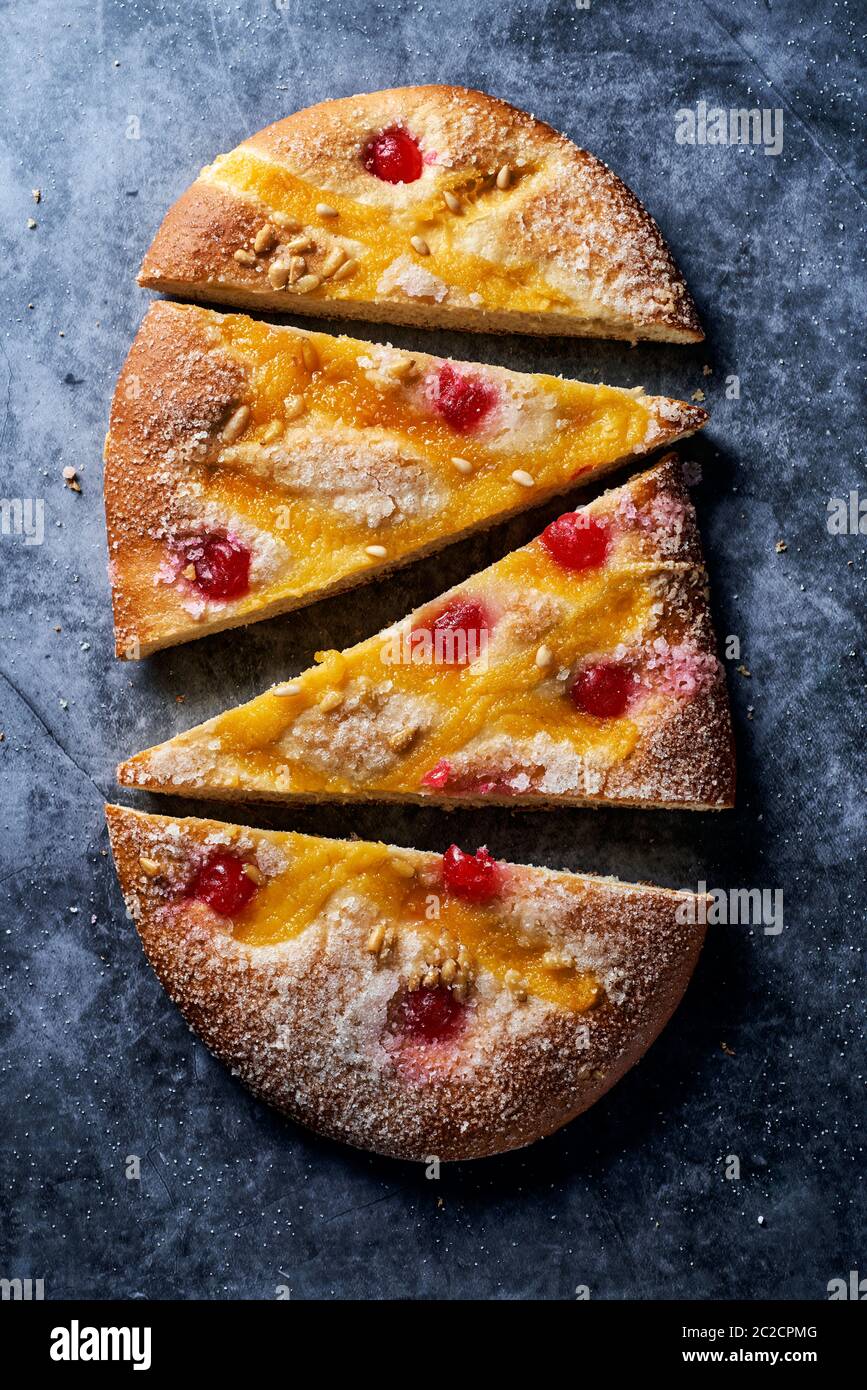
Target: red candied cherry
(475,877)
(577,541)
(221,563)
(393,156)
(462,401)
(458,632)
(603,689)
(438,776)
(430,1015)
(223,883)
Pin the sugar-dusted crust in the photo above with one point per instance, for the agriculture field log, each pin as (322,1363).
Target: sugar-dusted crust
(368,731)
(598,256)
(183,379)
(303,1022)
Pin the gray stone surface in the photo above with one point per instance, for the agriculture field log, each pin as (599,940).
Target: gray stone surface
(631,1199)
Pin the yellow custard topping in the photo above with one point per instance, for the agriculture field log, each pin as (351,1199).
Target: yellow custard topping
(595,426)
(318,869)
(386,237)
(509,695)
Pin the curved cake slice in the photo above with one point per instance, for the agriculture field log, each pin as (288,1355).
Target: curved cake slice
(581,668)
(412,1003)
(438,206)
(252,469)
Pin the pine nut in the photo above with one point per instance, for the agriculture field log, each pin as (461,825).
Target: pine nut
(419,244)
(374,942)
(331,700)
(452,201)
(335,258)
(523,478)
(325,210)
(403,868)
(278,274)
(299,243)
(376,552)
(309,355)
(307,283)
(264,238)
(462,465)
(286,689)
(544,657)
(504,177)
(400,367)
(272,432)
(254,874)
(236,424)
(348,268)
(149,866)
(295,406)
(402,739)
(245,257)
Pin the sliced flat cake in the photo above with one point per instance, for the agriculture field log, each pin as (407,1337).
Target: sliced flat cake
(437,206)
(412,1003)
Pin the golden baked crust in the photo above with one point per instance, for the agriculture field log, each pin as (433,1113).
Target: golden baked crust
(305,1009)
(344,464)
(564,247)
(498,712)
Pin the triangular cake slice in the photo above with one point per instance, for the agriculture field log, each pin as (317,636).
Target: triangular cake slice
(251,469)
(437,206)
(579,669)
(407,1002)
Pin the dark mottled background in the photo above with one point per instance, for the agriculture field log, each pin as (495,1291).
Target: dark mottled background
(631,1199)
